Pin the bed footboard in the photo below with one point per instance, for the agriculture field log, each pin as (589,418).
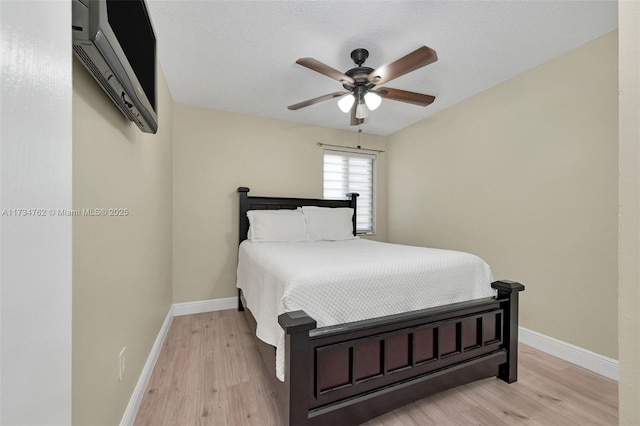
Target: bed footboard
(349,373)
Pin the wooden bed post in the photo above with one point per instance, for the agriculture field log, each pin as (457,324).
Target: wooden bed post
(243,227)
(244,206)
(353,201)
(296,326)
(509,290)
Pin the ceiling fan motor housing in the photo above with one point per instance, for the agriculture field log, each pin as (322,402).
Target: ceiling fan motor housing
(359,73)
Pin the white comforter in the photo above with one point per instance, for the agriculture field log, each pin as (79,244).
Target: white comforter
(339,282)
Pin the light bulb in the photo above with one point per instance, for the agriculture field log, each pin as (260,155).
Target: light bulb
(345,103)
(373,100)
(362,111)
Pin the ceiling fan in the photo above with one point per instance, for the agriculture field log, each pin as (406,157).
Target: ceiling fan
(361,83)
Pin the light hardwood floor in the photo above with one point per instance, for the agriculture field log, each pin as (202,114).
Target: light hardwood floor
(209,372)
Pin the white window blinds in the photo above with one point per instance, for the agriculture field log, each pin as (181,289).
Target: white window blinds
(346,172)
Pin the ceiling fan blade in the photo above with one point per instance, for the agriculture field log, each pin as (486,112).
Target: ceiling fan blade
(315,100)
(414,60)
(354,120)
(317,66)
(405,96)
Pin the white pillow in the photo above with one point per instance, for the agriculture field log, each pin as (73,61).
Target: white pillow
(276,226)
(332,224)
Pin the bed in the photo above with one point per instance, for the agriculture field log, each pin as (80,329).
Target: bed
(346,373)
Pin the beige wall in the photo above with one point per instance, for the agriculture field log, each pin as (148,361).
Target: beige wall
(215,152)
(629,239)
(525,175)
(121,265)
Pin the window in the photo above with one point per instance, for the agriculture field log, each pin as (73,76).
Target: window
(346,172)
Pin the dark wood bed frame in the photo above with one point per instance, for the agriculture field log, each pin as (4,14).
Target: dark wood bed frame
(349,373)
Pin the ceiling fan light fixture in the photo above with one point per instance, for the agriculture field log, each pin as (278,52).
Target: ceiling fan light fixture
(373,100)
(362,111)
(345,103)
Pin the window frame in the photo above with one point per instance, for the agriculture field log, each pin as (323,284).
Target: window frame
(373,158)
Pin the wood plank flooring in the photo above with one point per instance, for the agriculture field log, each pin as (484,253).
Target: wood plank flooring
(209,372)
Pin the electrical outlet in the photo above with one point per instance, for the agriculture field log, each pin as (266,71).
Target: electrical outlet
(123,364)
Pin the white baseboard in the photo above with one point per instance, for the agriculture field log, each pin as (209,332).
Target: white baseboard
(592,361)
(130,413)
(202,306)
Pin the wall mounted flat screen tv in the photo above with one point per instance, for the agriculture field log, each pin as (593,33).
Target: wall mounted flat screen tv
(115,41)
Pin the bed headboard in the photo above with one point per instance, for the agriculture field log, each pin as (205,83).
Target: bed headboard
(272,203)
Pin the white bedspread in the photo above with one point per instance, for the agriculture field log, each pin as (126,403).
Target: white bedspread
(345,281)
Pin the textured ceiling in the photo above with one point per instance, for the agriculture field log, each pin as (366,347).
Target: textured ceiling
(240,55)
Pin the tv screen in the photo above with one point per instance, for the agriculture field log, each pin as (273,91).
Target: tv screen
(131,25)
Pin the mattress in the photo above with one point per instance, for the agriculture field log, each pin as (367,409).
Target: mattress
(337,282)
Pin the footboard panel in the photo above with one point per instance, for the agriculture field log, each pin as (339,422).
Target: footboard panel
(350,367)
